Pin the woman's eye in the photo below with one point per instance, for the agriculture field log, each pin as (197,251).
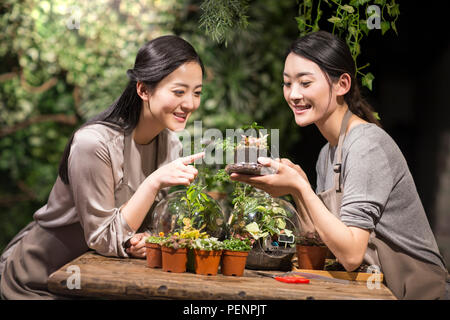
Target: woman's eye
(179,92)
(198,94)
(306,83)
(286,84)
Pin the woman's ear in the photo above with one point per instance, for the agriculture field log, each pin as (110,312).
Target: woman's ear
(142,91)
(343,85)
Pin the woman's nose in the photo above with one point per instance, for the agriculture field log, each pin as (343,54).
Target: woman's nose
(295,95)
(189,103)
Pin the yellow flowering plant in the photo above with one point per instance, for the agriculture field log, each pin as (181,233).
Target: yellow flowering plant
(189,232)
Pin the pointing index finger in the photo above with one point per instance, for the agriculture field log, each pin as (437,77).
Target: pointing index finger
(189,159)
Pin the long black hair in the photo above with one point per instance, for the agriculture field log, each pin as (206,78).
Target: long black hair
(154,61)
(334,58)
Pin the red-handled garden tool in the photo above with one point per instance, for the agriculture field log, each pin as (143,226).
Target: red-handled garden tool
(300,277)
(292,279)
(286,278)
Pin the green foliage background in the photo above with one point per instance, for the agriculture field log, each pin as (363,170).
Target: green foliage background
(62,61)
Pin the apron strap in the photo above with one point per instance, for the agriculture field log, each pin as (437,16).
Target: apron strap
(338,155)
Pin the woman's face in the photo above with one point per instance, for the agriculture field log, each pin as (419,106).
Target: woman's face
(177,96)
(306,90)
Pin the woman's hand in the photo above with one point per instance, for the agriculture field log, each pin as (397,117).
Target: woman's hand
(287,178)
(296,167)
(137,248)
(177,172)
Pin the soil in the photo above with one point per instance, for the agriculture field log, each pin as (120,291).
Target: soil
(244,168)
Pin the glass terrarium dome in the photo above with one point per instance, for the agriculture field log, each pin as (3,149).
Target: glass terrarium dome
(204,212)
(274,224)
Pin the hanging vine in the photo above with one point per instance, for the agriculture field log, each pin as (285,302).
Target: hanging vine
(350,20)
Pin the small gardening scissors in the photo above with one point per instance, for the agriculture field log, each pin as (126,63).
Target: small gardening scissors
(286,278)
(292,279)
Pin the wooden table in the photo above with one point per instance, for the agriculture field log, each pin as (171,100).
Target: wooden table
(119,278)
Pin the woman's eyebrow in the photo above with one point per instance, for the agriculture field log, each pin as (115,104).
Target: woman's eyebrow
(298,75)
(186,86)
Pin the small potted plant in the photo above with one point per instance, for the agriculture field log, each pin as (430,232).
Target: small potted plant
(207,253)
(234,256)
(174,253)
(153,250)
(311,251)
(191,233)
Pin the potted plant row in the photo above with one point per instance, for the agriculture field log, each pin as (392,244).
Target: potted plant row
(171,253)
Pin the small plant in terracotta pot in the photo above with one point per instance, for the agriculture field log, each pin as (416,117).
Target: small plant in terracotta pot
(311,251)
(234,256)
(153,250)
(191,233)
(207,253)
(174,253)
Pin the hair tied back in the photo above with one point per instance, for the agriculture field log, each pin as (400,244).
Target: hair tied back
(132,75)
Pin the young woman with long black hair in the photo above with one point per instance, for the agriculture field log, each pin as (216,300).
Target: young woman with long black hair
(113,170)
(366,206)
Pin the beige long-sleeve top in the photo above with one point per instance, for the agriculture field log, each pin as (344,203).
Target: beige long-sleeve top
(96,165)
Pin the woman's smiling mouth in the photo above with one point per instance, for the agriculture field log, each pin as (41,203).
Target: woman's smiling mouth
(299,109)
(180,116)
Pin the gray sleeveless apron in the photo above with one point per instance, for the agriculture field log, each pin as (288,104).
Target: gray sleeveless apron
(405,276)
(36,252)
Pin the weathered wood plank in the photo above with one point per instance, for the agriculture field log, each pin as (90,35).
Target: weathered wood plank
(344,275)
(105,277)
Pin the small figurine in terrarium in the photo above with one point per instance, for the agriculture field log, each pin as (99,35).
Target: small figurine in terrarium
(246,155)
(202,210)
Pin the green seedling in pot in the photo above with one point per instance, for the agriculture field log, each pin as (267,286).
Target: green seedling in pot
(237,244)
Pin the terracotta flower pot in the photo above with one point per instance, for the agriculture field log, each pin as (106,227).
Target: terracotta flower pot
(174,260)
(233,262)
(154,256)
(207,261)
(311,257)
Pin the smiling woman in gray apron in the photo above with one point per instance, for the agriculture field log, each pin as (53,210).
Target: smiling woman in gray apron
(366,207)
(115,168)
